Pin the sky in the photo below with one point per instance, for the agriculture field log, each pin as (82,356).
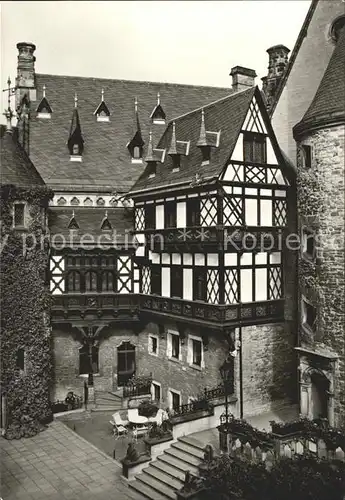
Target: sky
(193,42)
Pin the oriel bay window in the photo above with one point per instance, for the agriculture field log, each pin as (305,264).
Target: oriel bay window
(176,282)
(199,284)
(193,212)
(150,216)
(156,279)
(170,215)
(254,147)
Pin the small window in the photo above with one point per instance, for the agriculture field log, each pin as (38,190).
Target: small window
(308,315)
(175,346)
(156,279)
(308,244)
(20,359)
(108,281)
(91,281)
(88,360)
(175,400)
(199,283)
(193,212)
(176,282)
(156,392)
(151,168)
(170,215)
(206,154)
(74,281)
(153,345)
(75,149)
(176,160)
(150,216)
(136,152)
(254,147)
(196,352)
(19,215)
(306,155)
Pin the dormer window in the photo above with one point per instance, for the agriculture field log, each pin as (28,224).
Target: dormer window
(106,224)
(158,115)
(102,112)
(136,153)
(207,140)
(73,224)
(135,146)
(206,155)
(176,159)
(152,169)
(75,141)
(44,109)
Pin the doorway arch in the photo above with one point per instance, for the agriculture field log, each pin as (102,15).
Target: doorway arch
(319,390)
(126,363)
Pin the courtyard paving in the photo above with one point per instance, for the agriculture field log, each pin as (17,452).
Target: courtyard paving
(58,464)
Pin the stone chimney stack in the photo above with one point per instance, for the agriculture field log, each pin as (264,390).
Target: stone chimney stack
(26,81)
(242,78)
(278,60)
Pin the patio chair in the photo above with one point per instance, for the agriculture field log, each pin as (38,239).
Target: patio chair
(139,431)
(132,414)
(158,418)
(118,419)
(119,430)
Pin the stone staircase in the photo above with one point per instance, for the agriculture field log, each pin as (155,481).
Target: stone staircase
(165,475)
(108,401)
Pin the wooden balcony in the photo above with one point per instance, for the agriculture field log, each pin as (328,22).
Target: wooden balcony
(213,315)
(227,238)
(90,306)
(117,307)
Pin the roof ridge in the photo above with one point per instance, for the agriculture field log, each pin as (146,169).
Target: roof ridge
(210,104)
(124,80)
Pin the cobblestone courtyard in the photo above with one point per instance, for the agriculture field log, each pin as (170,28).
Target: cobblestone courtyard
(58,464)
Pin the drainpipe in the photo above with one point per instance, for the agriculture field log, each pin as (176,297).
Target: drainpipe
(241,374)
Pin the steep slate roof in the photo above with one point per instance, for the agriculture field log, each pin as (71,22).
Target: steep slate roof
(106,161)
(89,221)
(16,167)
(226,115)
(329,101)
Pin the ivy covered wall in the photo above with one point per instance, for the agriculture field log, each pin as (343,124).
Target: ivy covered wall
(25,304)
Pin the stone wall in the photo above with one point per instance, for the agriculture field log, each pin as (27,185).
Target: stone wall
(321,206)
(268,361)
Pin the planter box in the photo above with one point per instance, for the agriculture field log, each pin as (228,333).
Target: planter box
(199,494)
(188,417)
(131,469)
(155,447)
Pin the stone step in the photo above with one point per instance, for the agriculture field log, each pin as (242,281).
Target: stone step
(145,491)
(107,402)
(192,442)
(168,469)
(187,448)
(178,464)
(156,485)
(133,494)
(184,457)
(163,477)
(106,396)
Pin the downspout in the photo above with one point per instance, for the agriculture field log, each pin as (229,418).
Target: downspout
(241,372)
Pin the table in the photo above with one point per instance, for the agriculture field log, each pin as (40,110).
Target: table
(138,420)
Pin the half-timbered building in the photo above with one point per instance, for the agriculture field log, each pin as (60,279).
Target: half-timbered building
(210,213)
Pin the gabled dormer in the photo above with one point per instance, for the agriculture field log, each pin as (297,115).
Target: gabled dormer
(102,112)
(106,224)
(75,141)
(158,115)
(177,149)
(44,109)
(207,140)
(136,144)
(153,157)
(73,224)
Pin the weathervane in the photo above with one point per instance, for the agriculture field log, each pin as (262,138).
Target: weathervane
(8,112)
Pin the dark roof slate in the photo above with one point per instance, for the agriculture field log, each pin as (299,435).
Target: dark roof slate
(106,160)
(329,101)
(226,115)
(89,221)
(16,167)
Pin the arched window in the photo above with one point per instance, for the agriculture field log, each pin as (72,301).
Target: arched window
(73,281)
(75,149)
(136,152)
(84,360)
(91,281)
(107,281)
(20,359)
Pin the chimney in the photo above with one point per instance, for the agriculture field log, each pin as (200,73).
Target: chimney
(242,78)
(26,81)
(278,60)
